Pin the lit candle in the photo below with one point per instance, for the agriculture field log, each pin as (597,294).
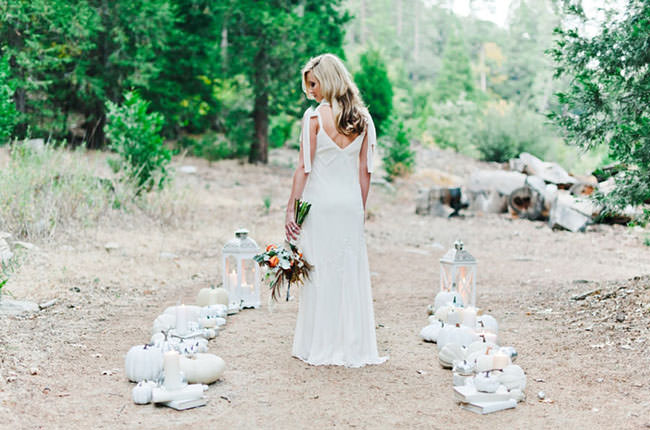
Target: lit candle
(171,364)
(181,319)
(500,360)
(469,317)
(233,279)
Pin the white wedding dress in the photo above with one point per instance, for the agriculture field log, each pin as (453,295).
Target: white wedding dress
(335,323)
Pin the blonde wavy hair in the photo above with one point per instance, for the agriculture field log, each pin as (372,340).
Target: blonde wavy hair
(339,90)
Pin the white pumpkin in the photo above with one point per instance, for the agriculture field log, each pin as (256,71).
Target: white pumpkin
(143,362)
(430,310)
(163,323)
(463,367)
(212,296)
(202,368)
(457,334)
(473,357)
(432,319)
(214,311)
(160,340)
(430,332)
(190,346)
(450,353)
(141,393)
(487,382)
(513,377)
(445,298)
(211,322)
(481,346)
(487,323)
(441,314)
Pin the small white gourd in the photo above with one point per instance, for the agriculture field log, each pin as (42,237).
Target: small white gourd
(163,323)
(463,367)
(481,346)
(487,323)
(202,368)
(513,377)
(445,298)
(458,334)
(450,353)
(190,346)
(430,332)
(487,382)
(143,362)
(214,311)
(141,393)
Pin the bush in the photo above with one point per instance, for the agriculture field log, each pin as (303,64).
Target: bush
(506,130)
(283,129)
(135,135)
(8,114)
(376,89)
(398,158)
(451,124)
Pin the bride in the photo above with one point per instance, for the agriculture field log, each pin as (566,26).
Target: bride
(335,323)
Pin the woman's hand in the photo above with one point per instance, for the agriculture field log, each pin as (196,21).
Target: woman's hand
(291,228)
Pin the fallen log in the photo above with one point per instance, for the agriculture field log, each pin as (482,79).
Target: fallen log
(527,203)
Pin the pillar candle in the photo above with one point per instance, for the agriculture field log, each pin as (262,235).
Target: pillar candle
(500,360)
(171,364)
(181,319)
(469,317)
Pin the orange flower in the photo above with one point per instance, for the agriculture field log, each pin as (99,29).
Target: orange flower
(270,247)
(274,261)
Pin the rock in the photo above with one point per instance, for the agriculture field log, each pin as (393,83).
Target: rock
(541,395)
(620,317)
(109,246)
(190,170)
(168,256)
(33,371)
(47,304)
(549,172)
(505,182)
(16,307)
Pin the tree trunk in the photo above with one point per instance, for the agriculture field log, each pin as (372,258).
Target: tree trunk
(259,152)
(224,47)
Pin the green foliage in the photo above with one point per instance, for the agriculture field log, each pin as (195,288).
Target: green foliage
(8,114)
(375,87)
(607,100)
(505,131)
(135,135)
(455,79)
(399,158)
(283,129)
(451,124)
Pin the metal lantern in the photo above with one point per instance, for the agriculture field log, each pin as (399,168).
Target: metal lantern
(458,273)
(241,274)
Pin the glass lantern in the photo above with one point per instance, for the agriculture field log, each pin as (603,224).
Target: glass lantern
(458,273)
(241,274)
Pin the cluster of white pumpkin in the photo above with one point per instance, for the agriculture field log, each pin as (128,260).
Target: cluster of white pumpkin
(468,344)
(145,364)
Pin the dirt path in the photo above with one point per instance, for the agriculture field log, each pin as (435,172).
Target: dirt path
(595,369)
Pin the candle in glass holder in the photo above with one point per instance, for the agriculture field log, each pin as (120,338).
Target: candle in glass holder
(233,278)
(181,319)
(171,364)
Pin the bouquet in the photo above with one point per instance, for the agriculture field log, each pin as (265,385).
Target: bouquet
(286,263)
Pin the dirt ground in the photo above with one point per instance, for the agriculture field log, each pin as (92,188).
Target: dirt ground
(590,357)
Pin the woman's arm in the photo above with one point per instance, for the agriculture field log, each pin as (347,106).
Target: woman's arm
(292,229)
(364,175)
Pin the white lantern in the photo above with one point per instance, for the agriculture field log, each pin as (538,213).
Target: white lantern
(458,273)
(241,274)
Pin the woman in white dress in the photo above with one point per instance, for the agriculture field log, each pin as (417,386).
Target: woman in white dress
(335,323)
